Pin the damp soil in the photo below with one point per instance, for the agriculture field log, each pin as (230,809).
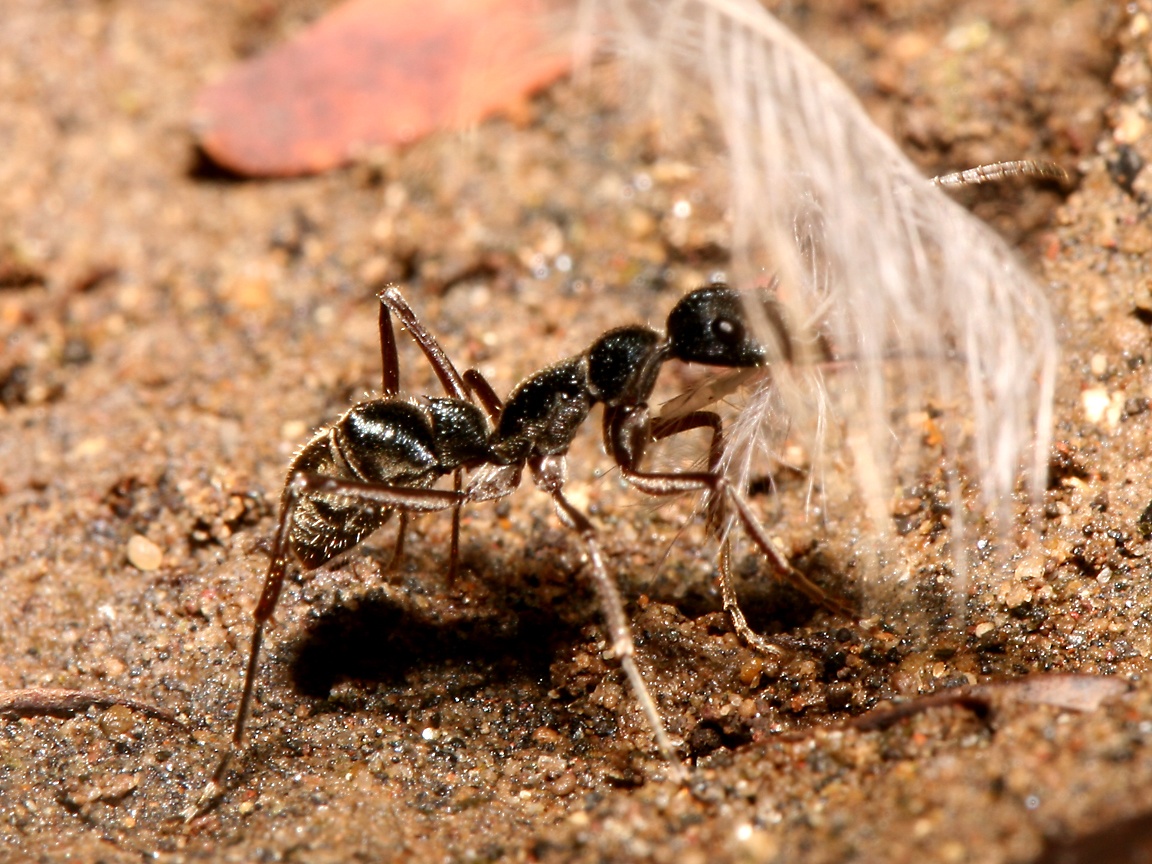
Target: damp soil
(170,336)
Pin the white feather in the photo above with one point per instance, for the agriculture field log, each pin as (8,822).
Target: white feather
(931,305)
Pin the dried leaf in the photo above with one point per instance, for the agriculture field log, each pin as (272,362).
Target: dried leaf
(376,72)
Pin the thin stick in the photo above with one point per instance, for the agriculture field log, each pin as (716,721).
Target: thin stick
(998,171)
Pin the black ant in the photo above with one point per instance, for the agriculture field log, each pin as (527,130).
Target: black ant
(384,455)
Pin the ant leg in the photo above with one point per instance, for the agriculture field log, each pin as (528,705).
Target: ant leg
(479,387)
(389,358)
(471,384)
(273,583)
(548,472)
(662,429)
(298,486)
(393,301)
(398,549)
(629,430)
(732,604)
(454,553)
(675,483)
(710,420)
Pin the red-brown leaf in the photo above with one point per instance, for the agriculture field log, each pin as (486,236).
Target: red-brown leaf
(376,72)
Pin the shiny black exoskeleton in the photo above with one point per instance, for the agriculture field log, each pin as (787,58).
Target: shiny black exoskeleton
(386,454)
(405,443)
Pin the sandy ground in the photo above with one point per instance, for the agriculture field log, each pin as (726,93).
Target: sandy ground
(171,336)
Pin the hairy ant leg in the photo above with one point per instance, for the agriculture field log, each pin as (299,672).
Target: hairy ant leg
(390,386)
(548,473)
(300,485)
(661,429)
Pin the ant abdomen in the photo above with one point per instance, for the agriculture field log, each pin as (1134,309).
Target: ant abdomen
(323,526)
(394,441)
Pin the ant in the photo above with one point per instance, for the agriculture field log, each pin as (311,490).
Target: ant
(384,455)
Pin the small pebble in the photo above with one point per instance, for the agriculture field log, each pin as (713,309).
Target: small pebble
(143,554)
(547,735)
(117,720)
(1030,569)
(1012,594)
(563,785)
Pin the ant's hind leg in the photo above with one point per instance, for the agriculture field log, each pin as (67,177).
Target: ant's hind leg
(298,486)
(273,583)
(478,385)
(389,358)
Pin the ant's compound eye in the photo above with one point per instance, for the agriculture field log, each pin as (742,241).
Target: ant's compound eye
(727,330)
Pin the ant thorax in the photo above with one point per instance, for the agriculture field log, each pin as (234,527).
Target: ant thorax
(545,411)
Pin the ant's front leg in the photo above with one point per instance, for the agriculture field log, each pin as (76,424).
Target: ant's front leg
(666,428)
(713,506)
(631,430)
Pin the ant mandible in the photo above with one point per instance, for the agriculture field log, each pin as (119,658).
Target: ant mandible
(384,454)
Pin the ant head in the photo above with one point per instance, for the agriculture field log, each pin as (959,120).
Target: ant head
(709,326)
